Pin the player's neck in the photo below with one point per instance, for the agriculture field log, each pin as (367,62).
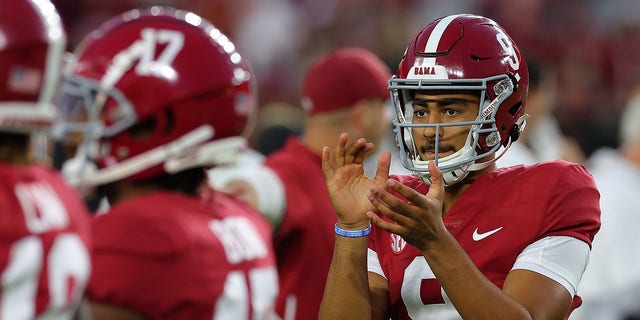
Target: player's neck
(124,190)
(453,192)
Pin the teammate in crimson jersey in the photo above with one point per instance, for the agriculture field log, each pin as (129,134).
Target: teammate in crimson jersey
(159,95)
(44,226)
(460,238)
(167,255)
(44,241)
(290,189)
(303,246)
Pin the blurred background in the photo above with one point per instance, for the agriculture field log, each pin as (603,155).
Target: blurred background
(589,46)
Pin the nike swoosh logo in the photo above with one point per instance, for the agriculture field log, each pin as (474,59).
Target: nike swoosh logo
(479,236)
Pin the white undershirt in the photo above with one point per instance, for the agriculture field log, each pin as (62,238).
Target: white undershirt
(560,258)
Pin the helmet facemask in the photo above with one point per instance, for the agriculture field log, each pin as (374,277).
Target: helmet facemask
(483,138)
(105,118)
(83,121)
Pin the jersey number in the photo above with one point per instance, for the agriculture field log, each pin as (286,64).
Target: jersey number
(260,292)
(421,292)
(67,273)
(507,46)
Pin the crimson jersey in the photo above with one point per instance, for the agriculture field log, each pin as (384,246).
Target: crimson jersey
(172,256)
(500,214)
(44,244)
(304,239)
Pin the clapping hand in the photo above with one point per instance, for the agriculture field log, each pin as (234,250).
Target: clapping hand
(347,184)
(418,221)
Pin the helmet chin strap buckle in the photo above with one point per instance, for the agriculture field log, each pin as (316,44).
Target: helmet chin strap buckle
(449,177)
(452,177)
(517,128)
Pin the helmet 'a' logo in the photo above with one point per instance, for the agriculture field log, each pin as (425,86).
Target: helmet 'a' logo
(397,243)
(424,71)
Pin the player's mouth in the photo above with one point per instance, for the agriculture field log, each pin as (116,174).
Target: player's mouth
(428,152)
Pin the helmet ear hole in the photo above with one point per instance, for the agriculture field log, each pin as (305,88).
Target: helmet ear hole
(170,120)
(516,129)
(143,130)
(515,108)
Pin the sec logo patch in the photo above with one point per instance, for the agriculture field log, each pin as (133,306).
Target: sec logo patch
(397,243)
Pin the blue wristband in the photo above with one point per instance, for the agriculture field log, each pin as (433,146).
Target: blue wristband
(353,233)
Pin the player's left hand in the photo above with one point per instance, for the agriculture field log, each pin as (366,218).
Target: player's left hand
(419,222)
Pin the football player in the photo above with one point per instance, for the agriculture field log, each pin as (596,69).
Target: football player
(460,238)
(344,89)
(159,95)
(44,228)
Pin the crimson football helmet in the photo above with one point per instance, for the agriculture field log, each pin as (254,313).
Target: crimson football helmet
(153,91)
(462,52)
(32,42)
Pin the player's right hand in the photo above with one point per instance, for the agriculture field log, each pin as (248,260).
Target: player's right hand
(346,182)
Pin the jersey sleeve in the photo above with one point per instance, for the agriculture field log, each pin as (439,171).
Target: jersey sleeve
(573,208)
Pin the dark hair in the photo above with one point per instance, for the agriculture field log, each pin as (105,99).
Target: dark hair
(13,145)
(187,182)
